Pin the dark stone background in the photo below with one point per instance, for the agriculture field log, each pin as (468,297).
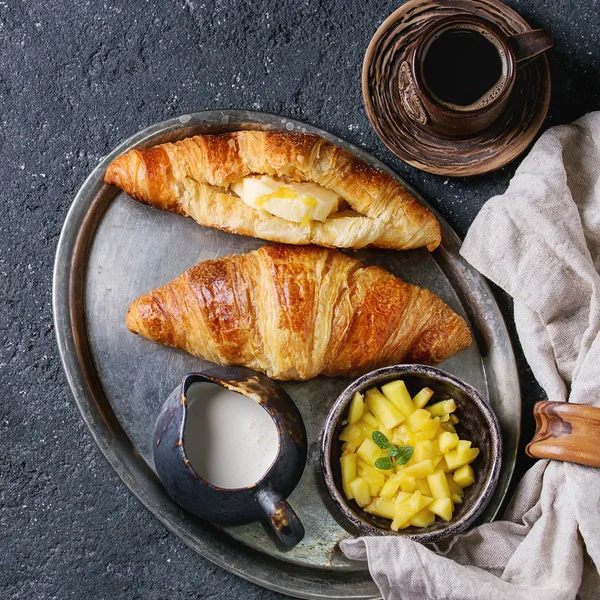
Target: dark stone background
(76,78)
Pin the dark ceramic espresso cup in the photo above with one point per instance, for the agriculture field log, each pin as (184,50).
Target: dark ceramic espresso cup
(263,500)
(461,72)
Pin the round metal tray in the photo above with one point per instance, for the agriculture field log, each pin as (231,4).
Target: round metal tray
(112,249)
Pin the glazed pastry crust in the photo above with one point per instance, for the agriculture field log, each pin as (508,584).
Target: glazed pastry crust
(193,176)
(294,313)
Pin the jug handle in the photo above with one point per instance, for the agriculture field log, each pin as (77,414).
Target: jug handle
(281,517)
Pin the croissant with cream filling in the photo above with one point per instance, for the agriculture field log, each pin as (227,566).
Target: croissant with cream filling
(195,176)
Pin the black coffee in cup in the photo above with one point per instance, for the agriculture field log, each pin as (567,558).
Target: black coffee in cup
(464,66)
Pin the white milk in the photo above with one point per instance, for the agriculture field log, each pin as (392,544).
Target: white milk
(230,440)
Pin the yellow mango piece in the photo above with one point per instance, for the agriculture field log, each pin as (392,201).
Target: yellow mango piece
(464,476)
(390,487)
(423,487)
(447,441)
(383,409)
(417,420)
(424,518)
(463,445)
(457,458)
(383,507)
(453,419)
(423,450)
(453,486)
(441,408)
(374,477)
(404,512)
(429,429)
(402,437)
(357,407)
(409,508)
(442,507)
(456,499)
(423,397)
(395,527)
(348,464)
(415,499)
(438,484)
(396,392)
(369,451)
(360,491)
(356,432)
(436,460)
(443,466)
(408,483)
(420,469)
(369,419)
(402,496)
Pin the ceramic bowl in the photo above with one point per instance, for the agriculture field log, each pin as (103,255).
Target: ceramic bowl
(478,423)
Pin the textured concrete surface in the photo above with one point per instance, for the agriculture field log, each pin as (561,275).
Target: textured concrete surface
(75,79)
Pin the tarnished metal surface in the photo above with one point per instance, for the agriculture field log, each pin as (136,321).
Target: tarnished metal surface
(112,249)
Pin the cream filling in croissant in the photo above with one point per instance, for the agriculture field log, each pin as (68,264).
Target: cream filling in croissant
(293,201)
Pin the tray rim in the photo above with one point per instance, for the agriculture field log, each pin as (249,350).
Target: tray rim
(69,269)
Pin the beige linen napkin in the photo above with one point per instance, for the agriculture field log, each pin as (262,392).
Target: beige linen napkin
(539,241)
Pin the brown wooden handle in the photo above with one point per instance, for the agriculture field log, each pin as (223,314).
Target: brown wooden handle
(564,431)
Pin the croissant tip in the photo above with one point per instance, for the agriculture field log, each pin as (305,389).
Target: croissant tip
(130,321)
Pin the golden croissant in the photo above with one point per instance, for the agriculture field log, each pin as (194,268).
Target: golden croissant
(294,313)
(194,177)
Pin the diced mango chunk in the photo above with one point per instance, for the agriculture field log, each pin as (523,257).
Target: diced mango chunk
(441,408)
(464,476)
(456,499)
(349,473)
(357,407)
(417,420)
(391,487)
(375,478)
(447,441)
(423,450)
(360,491)
(369,419)
(423,397)
(407,483)
(383,507)
(457,458)
(356,432)
(442,507)
(402,496)
(383,409)
(453,486)
(409,508)
(438,484)
(423,487)
(420,469)
(429,429)
(396,392)
(369,451)
(443,466)
(424,518)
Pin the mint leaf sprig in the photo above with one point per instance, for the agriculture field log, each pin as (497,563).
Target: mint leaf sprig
(398,455)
